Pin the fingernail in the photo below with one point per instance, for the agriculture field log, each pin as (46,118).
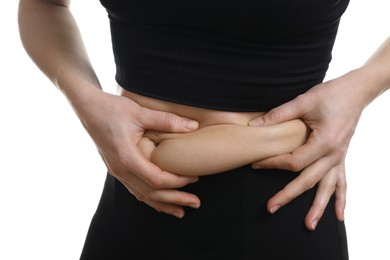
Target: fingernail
(190,124)
(256,122)
(274,209)
(194,205)
(194,180)
(314,224)
(178,214)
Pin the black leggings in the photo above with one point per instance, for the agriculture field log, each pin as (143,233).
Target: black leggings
(232,223)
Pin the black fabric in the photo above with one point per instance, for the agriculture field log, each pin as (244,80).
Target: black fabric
(231,224)
(231,55)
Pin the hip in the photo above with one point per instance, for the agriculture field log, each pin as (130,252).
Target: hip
(232,223)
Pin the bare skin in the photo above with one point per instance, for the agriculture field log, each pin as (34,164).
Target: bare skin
(224,140)
(217,148)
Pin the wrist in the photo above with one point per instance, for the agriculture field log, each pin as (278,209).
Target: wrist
(86,98)
(376,71)
(80,86)
(372,82)
(81,95)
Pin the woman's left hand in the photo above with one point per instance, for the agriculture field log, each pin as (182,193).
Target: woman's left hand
(332,110)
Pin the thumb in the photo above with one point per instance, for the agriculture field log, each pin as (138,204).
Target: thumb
(165,121)
(285,112)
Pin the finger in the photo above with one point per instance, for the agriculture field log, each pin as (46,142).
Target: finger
(170,209)
(306,180)
(176,197)
(142,194)
(326,189)
(153,175)
(170,196)
(297,160)
(285,112)
(166,122)
(341,194)
(134,162)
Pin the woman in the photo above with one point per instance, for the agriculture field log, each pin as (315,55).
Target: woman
(241,233)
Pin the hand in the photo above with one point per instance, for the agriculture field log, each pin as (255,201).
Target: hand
(332,110)
(116,124)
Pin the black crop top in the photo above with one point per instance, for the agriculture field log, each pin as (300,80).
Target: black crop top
(236,55)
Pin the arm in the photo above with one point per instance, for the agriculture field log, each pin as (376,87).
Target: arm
(51,37)
(219,148)
(332,110)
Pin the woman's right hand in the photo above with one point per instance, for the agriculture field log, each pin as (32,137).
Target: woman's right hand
(116,124)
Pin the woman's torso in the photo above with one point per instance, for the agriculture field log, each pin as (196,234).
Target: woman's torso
(206,60)
(205,117)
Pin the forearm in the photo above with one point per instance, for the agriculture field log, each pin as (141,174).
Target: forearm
(376,73)
(52,39)
(220,148)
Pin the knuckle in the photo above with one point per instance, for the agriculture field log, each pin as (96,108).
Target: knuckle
(274,114)
(152,196)
(158,209)
(342,184)
(114,172)
(170,120)
(329,187)
(340,153)
(157,183)
(182,200)
(140,113)
(295,164)
(148,197)
(309,182)
(333,144)
(302,102)
(141,197)
(301,99)
(327,142)
(319,205)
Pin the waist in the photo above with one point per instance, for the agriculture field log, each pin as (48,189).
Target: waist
(204,116)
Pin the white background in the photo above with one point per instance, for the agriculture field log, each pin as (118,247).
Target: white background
(51,175)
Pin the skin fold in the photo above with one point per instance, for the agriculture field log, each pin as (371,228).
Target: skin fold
(217,148)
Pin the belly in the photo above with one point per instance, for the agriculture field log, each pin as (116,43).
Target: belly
(205,117)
